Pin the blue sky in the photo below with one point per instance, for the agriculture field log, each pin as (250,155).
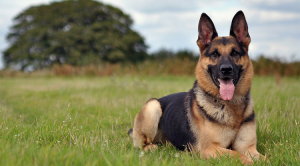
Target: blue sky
(274,25)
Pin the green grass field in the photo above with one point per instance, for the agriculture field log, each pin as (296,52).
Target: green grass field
(84,120)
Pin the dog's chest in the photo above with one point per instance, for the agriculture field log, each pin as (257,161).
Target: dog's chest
(210,132)
(225,137)
(218,111)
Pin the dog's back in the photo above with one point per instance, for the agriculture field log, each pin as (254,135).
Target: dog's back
(174,121)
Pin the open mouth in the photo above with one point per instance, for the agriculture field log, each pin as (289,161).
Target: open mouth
(217,80)
(226,87)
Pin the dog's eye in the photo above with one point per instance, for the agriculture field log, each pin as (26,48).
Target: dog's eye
(234,53)
(215,54)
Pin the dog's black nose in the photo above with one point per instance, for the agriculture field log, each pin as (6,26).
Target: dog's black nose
(226,68)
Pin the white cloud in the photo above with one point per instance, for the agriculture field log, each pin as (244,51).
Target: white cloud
(257,15)
(276,49)
(270,2)
(150,6)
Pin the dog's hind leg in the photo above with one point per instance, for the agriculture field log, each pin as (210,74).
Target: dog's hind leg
(146,131)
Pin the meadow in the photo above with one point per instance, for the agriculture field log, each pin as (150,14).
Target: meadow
(84,120)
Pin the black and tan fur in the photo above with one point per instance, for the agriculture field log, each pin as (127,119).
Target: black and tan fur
(200,120)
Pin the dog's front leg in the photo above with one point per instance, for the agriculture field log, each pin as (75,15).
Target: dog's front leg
(246,140)
(251,152)
(216,151)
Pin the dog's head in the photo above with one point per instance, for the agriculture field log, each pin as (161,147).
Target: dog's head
(224,68)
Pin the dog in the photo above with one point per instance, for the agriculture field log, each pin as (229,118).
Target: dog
(216,117)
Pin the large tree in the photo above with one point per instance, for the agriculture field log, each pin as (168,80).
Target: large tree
(74,32)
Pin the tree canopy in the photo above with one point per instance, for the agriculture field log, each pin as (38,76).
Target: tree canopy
(75,32)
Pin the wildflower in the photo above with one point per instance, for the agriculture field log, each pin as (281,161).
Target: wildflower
(141,154)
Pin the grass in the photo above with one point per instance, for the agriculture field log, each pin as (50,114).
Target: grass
(84,120)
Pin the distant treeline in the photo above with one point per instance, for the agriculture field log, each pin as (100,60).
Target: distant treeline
(163,54)
(274,66)
(162,62)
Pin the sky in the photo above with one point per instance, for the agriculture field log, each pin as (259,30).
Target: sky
(274,25)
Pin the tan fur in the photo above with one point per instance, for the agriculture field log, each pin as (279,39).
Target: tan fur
(145,130)
(216,151)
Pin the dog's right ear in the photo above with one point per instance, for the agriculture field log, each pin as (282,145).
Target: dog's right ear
(206,31)
(239,29)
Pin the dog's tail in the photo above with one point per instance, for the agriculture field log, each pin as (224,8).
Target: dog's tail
(130,132)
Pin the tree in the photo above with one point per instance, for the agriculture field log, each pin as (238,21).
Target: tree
(75,32)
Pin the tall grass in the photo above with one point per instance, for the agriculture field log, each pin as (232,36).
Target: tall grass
(84,120)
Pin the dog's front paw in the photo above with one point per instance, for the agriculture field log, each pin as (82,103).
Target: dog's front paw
(247,162)
(264,158)
(150,147)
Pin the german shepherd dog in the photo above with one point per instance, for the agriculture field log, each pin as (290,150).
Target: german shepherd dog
(216,116)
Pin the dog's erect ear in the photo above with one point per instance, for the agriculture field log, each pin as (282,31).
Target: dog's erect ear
(239,28)
(207,31)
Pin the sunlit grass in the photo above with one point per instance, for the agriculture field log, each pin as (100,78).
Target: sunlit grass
(84,120)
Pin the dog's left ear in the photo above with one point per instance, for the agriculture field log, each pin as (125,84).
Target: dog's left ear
(239,29)
(207,31)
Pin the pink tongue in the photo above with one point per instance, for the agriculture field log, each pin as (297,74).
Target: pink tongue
(226,89)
